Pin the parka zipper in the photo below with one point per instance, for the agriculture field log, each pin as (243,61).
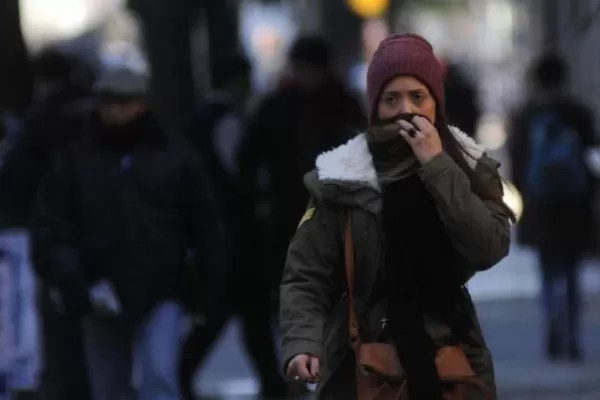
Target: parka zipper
(382,246)
(383,321)
(382,272)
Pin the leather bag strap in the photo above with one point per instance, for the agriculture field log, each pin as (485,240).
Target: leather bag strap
(350,279)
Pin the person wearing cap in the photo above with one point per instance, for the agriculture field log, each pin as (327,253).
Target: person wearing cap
(421,205)
(114,217)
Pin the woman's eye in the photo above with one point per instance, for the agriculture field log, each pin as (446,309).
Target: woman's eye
(390,100)
(418,96)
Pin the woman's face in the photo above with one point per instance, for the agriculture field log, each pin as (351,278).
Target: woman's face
(405,94)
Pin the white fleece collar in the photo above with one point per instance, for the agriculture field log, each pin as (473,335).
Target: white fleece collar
(352,161)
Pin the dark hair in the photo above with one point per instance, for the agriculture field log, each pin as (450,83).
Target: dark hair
(227,68)
(549,71)
(312,50)
(480,188)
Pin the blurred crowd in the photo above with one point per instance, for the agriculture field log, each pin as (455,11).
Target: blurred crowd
(139,238)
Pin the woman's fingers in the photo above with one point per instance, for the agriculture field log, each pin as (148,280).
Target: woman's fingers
(298,368)
(409,128)
(411,135)
(423,124)
(405,124)
(315,369)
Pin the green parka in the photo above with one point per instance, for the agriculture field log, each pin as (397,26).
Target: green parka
(314,306)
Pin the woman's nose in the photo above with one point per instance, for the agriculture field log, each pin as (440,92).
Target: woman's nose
(405,107)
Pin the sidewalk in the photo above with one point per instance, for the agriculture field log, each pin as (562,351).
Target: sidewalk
(590,393)
(517,276)
(514,333)
(513,330)
(505,297)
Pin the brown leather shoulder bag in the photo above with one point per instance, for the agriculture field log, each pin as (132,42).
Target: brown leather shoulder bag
(379,373)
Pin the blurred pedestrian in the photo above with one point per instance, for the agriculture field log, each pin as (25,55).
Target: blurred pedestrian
(61,101)
(217,129)
(310,112)
(113,219)
(550,135)
(51,122)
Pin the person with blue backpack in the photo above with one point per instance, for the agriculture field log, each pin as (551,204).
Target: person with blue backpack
(549,138)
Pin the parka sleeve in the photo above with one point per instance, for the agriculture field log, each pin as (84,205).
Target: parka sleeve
(478,229)
(308,287)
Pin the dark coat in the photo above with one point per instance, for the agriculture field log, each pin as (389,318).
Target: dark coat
(289,129)
(48,126)
(314,306)
(571,226)
(129,218)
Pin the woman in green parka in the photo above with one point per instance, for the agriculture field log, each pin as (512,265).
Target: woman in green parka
(426,211)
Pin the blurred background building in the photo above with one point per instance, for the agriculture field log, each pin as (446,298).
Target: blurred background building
(492,40)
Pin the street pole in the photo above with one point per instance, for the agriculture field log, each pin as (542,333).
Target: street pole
(166,28)
(223,28)
(342,28)
(16,80)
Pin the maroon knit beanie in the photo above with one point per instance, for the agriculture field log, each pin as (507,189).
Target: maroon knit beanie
(405,54)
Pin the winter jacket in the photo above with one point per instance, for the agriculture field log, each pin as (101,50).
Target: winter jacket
(288,131)
(128,218)
(314,306)
(571,227)
(49,125)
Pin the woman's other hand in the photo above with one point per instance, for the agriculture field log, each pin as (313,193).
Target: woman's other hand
(304,367)
(424,140)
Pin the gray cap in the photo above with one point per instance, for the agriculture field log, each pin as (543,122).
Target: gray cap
(123,81)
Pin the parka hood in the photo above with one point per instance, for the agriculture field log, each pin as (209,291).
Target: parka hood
(348,169)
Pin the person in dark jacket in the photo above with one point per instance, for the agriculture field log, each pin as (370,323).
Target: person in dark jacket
(310,112)
(217,129)
(562,231)
(112,223)
(424,204)
(53,120)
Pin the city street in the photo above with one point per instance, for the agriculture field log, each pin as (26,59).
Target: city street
(513,330)
(510,317)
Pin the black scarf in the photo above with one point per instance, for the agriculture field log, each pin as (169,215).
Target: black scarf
(415,348)
(424,275)
(386,145)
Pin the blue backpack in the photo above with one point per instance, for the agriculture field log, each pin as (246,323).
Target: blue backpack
(557,173)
